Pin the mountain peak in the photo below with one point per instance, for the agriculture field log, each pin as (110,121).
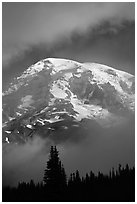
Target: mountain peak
(61,90)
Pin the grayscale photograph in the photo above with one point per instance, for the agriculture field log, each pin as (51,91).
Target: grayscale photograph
(68,101)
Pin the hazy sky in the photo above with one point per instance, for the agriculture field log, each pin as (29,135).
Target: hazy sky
(99,32)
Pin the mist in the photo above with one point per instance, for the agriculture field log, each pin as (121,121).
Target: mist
(96,149)
(23,162)
(102,150)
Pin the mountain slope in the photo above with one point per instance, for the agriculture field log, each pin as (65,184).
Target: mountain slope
(58,94)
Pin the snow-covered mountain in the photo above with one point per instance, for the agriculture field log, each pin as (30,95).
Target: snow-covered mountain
(58,94)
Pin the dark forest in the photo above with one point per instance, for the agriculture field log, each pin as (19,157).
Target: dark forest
(118,186)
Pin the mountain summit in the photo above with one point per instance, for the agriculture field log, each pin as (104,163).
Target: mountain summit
(60,93)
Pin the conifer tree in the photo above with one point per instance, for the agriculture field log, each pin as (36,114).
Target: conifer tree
(70,180)
(54,176)
(78,179)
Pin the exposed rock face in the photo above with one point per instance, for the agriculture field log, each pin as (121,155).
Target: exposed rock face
(58,94)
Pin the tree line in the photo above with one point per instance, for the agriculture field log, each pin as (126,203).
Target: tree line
(118,185)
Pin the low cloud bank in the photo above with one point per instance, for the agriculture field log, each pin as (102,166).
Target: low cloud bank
(25,162)
(96,149)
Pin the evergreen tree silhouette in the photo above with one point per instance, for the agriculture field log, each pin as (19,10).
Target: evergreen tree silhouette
(54,176)
(87,179)
(78,179)
(119,185)
(63,177)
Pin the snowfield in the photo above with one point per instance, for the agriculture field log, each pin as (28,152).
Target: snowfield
(56,90)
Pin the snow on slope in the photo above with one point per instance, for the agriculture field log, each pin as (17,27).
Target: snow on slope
(57,65)
(55,83)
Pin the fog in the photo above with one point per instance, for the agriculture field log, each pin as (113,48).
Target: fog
(96,149)
(109,147)
(23,162)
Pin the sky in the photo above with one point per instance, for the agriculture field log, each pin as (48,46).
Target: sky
(86,32)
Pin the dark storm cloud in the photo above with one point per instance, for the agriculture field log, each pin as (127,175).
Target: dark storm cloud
(108,44)
(25,24)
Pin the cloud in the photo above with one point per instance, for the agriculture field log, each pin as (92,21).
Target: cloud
(101,150)
(113,45)
(32,23)
(90,147)
(25,161)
